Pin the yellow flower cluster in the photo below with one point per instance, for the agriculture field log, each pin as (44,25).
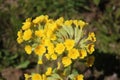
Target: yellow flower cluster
(37,76)
(56,39)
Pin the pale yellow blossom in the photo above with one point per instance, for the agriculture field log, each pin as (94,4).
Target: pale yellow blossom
(66,61)
(59,49)
(73,53)
(27,34)
(36,77)
(40,50)
(49,71)
(82,53)
(69,44)
(28,49)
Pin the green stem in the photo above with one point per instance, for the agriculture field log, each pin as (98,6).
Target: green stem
(37,68)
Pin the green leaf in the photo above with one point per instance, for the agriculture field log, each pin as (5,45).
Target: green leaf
(14,56)
(70,30)
(67,29)
(71,76)
(78,34)
(54,77)
(67,70)
(74,73)
(50,78)
(63,32)
(23,64)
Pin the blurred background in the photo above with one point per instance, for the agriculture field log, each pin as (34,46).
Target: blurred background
(103,17)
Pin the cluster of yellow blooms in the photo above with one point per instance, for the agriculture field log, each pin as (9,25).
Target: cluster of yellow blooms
(56,39)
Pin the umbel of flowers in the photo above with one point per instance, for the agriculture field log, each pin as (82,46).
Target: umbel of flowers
(62,41)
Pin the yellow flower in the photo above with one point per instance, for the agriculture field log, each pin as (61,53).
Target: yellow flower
(28,20)
(36,77)
(73,53)
(81,23)
(53,56)
(66,61)
(91,37)
(69,44)
(79,77)
(26,25)
(59,21)
(27,34)
(40,62)
(58,65)
(90,61)
(50,48)
(27,76)
(49,33)
(46,18)
(40,19)
(68,23)
(49,71)
(75,22)
(44,77)
(40,50)
(59,48)
(47,56)
(46,42)
(53,37)
(20,34)
(90,48)
(39,33)
(82,53)
(19,40)
(51,26)
(28,49)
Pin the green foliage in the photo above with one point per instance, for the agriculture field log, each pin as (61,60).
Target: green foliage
(108,30)
(23,64)
(12,59)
